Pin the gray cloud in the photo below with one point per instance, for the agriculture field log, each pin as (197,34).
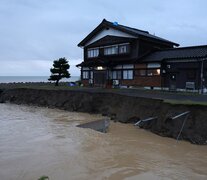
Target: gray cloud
(44,30)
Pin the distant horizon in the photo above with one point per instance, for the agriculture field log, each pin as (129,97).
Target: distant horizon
(28,76)
(24,79)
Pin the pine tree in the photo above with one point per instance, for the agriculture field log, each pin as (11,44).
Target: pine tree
(59,70)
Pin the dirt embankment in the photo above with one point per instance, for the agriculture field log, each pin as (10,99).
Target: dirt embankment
(122,108)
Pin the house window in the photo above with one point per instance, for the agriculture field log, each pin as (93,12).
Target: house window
(85,74)
(111,50)
(153,65)
(116,75)
(153,72)
(123,49)
(127,74)
(116,49)
(93,53)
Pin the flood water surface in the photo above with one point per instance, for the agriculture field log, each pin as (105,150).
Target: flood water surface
(38,141)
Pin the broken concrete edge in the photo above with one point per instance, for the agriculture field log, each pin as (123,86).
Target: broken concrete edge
(98,125)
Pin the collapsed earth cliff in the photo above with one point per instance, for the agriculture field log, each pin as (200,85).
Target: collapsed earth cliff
(121,108)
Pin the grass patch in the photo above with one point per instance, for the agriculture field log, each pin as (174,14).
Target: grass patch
(47,86)
(44,178)
(185,102)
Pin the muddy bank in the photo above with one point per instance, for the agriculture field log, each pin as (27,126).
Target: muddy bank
(121,108)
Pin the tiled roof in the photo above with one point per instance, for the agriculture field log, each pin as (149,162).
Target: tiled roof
(176,53)
(139,32)
(132,31)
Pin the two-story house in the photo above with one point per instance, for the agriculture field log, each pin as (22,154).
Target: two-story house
(119,55)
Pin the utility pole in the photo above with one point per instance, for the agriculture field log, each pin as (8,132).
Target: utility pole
(201,91)
(202,76)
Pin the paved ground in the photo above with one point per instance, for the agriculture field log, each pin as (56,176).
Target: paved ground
(154,94)
(167,95)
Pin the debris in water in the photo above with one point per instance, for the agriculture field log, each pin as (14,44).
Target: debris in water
(140,122)
(99,125)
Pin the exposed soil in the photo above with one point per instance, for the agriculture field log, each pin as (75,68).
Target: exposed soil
(122,108)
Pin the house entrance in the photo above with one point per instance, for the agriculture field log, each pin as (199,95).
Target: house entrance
(100,78)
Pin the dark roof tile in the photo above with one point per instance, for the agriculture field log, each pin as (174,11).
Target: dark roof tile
(146,34)
(176,53)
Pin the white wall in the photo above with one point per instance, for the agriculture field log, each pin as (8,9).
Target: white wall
(111,32)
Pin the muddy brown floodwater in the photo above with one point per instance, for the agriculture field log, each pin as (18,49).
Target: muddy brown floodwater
(38,141)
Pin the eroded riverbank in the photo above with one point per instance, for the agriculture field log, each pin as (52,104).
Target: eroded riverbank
(40,141)
(123,108)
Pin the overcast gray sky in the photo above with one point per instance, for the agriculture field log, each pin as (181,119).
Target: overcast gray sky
(33,33)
